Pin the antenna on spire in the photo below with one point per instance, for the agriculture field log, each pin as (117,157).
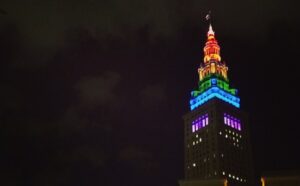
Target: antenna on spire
(208,16)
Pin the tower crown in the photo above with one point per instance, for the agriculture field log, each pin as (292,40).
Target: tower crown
(212,59)
(213,80)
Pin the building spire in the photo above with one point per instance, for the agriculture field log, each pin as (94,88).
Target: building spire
(212,64)
(210,31)
(208,18)
(211,48)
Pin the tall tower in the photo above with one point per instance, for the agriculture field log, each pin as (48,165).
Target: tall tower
(216,130)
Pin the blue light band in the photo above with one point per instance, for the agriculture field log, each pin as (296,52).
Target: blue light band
(214,92)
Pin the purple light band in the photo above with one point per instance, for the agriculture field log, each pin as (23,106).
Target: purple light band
(199,123)
(232,122)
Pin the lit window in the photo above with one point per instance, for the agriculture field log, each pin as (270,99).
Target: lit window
(229,175)
(196,135)
(226,136)
(239,126)
(235,125)
(194,164)
(233,177)
(220,133)
(232,122)
(199,123)
(200,139)
(193,143)
(223,173)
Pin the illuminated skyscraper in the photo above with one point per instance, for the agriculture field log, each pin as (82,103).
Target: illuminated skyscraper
(216,131)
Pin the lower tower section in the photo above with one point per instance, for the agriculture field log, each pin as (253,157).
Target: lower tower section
(217,145)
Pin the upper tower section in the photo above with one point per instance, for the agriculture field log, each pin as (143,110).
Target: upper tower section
(212,59)
(213,80)
(211,49)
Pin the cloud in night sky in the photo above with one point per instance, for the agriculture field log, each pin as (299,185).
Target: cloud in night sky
(44,24)
(98,90)
(132,153)
(153,95)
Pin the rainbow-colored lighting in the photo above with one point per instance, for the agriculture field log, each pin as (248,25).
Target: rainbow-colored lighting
(213,80)
(200,123)
(263,181)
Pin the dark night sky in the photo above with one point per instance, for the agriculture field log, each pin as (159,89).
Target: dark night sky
(93,92)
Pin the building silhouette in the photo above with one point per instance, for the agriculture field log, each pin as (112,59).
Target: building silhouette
(216,131)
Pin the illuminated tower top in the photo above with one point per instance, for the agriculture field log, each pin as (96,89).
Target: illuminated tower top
(211,49)
(212,58)
(213,80)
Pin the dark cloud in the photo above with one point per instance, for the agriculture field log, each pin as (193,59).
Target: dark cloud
(3,11)
(92,155)
(132,153)
(43,24)
(10,97)
(100,90)
(153,95)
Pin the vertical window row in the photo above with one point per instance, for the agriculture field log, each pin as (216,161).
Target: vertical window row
(199,123)
(232,122)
